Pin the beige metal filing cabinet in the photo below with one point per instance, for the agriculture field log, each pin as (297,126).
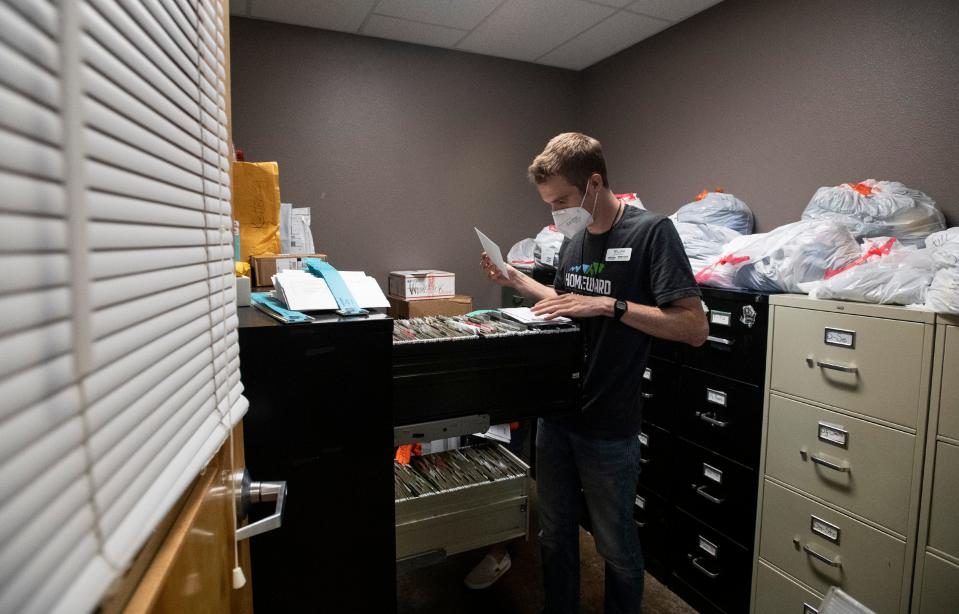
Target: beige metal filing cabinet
(936,585)
(844,438)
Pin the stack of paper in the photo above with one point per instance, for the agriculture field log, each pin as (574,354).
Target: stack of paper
(303,291)
(525,316)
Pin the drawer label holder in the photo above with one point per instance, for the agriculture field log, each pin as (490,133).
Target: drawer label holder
(648,374)
(708,547)
(833,434)
(717,397)
(640,502)
(839,337)
(824,529)
(808,609)
(723,318)
(710,472)
(644,439)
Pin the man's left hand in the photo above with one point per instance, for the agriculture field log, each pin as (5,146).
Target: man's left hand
(573,306)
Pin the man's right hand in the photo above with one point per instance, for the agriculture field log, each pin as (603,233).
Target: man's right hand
(495,275)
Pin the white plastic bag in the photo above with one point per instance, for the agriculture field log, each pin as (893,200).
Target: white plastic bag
(546,251)
(938,239)
(878,209)
(631,199)
(783,258)
(703,242)
(886,273)
(521,254)
(943,294)
(719,209)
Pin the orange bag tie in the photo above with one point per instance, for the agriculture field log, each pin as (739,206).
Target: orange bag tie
(706,273)
(705,193)
(403,453)
(862,188)
(882,250)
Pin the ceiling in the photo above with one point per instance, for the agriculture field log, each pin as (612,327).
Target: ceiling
(569,34)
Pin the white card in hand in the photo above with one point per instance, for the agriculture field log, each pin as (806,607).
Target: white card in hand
(492,250)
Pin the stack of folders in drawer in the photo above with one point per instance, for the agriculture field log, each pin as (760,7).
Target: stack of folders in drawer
(459,500)
(452,470)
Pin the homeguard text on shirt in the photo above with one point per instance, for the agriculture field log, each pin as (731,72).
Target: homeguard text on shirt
(584,283)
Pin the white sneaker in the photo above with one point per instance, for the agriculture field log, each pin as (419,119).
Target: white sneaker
(487,572)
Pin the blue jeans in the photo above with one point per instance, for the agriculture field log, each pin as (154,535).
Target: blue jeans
(607,472)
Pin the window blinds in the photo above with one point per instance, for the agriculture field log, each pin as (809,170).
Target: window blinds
(119,363)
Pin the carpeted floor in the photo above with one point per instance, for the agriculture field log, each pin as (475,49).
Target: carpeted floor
(439,589)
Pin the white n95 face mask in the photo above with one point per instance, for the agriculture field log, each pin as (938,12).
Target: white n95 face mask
(573,219)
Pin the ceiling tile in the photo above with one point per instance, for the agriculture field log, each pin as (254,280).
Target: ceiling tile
(674,10)
(342,15)
(239,7)
(611,36)
(463,14)
(527,29)
(411,31)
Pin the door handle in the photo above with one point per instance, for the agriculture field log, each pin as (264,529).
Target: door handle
(712,575)
(831,561)
(248,493)
(843,468)
(708,418)
(701,491)
(835,366)
(719,340)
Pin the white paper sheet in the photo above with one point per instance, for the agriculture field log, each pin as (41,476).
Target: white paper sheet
(525,316)
(303,291)
(493,251)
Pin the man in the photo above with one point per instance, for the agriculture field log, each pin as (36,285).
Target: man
(624,276)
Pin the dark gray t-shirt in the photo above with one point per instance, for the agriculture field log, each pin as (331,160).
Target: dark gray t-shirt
(641,260)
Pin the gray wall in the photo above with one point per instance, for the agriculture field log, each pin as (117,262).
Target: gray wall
(774,98)
(398,149)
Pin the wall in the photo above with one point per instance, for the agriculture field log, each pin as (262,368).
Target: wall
(774,98)
(398,149)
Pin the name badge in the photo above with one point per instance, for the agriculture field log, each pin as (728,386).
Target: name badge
(619,254)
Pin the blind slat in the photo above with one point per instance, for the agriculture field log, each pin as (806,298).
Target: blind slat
(33,384)
(22,75)
(30,309)
(34,346)
(30,195)
(133,261)
(30,157)
(23,115)
(25,37)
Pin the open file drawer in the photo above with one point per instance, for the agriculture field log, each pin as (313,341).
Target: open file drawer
(464,517)
(509,377)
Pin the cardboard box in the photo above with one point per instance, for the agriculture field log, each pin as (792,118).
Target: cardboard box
(265,267)
(418,285)
(452,306)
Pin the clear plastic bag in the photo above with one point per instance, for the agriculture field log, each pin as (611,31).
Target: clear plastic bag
(938,239)
(703,242)
(878,209)
(719,209)
(521,254)
(546,251)
(943,293)
(783,258)
(886,273)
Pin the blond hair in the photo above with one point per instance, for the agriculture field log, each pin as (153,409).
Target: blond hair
(572,156)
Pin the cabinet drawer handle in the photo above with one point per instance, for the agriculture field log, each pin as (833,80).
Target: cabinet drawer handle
(708,418)
(701,491)
(844,468)
(647,395)
(643,461)
(712,575)
(832,562)
(835,366)
(639,524)
(719,340)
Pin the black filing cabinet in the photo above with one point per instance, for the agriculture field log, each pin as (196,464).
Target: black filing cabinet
(702,420)
(320,419)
